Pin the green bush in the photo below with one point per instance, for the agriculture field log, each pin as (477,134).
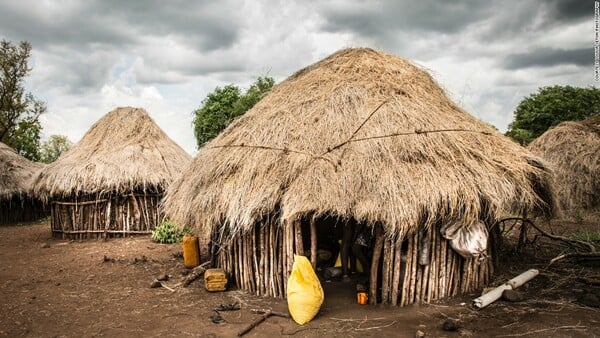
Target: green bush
(168,232)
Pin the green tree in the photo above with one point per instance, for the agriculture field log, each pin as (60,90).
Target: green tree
(223,105)
(19,111)
(548,107)
(54,147)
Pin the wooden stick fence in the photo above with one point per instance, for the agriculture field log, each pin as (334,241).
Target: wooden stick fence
(260,261)
(110,216)
(17,209)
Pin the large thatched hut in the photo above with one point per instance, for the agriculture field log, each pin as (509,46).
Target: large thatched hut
(16,202)
(571,148)
(361,137)
(110,183)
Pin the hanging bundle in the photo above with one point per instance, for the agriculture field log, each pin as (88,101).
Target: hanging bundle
(470,241)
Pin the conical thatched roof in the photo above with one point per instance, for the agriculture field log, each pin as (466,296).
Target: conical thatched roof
(15,172)
(316,143)
(573,149)
(123,151)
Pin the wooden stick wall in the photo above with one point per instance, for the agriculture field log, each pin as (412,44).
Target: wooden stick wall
(260,262)
(18,209)
(105,217)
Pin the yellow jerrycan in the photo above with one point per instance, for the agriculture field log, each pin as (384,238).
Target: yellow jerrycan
(191,251)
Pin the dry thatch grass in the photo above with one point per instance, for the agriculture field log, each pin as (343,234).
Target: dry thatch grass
(316,144)
(572,148)
(15,173)
(123,151)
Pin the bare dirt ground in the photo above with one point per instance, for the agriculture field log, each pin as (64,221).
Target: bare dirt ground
(61,288)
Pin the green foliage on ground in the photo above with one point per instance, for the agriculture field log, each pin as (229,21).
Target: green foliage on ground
(19,111)
(592,237)
(223,105)
(550,106)
(168,232)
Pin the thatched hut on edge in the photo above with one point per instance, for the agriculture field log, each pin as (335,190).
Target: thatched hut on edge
(366,137)
(110,183)
(16,202)
(571,148)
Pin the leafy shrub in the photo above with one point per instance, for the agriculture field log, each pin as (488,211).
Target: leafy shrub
(168,232)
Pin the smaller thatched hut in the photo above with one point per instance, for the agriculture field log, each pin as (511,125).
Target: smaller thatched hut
(16,204)
(111,182)
(572,149)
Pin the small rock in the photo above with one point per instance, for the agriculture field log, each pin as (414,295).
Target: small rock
(155,284)
(419,334)
(512,296)
(163,277)
(108,259)
(57,284)
(136,260)
(450,324)
(465,333)
(45,246)
(590,299)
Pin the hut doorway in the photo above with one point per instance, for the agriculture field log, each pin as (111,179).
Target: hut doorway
(343,253)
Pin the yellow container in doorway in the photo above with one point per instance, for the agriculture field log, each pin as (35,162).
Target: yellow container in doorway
(191,251)
(304,291)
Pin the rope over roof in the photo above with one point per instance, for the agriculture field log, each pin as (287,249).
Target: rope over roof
(123,151)
(572,149)
(360,134)
(15,172)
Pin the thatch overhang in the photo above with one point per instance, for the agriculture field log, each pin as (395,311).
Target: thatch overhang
(572,149)
(15,173)
(361,134)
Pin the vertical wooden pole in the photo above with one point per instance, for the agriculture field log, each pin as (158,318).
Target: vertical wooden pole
(278,255)
(298,234)
(375,264)
(261,276)
(406,278)
(396,269)
(413,268)
(385,277)
(313,243)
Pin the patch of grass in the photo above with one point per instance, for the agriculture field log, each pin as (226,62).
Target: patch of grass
(592,237)
(168,232)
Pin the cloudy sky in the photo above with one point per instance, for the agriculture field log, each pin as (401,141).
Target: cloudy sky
(165,56)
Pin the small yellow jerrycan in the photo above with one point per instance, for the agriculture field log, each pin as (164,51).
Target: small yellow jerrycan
(191,251)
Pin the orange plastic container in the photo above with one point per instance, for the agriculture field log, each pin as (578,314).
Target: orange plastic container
(191,251)
(362,298)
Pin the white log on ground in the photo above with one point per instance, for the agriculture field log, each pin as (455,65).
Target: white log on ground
(512,284)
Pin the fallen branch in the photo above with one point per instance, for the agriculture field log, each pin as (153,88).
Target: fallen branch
(196,272)
(496,293)
(166,287)
(592,249)
(575,255)
(375,327)
(566,327)
(254,323)
(561,238)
